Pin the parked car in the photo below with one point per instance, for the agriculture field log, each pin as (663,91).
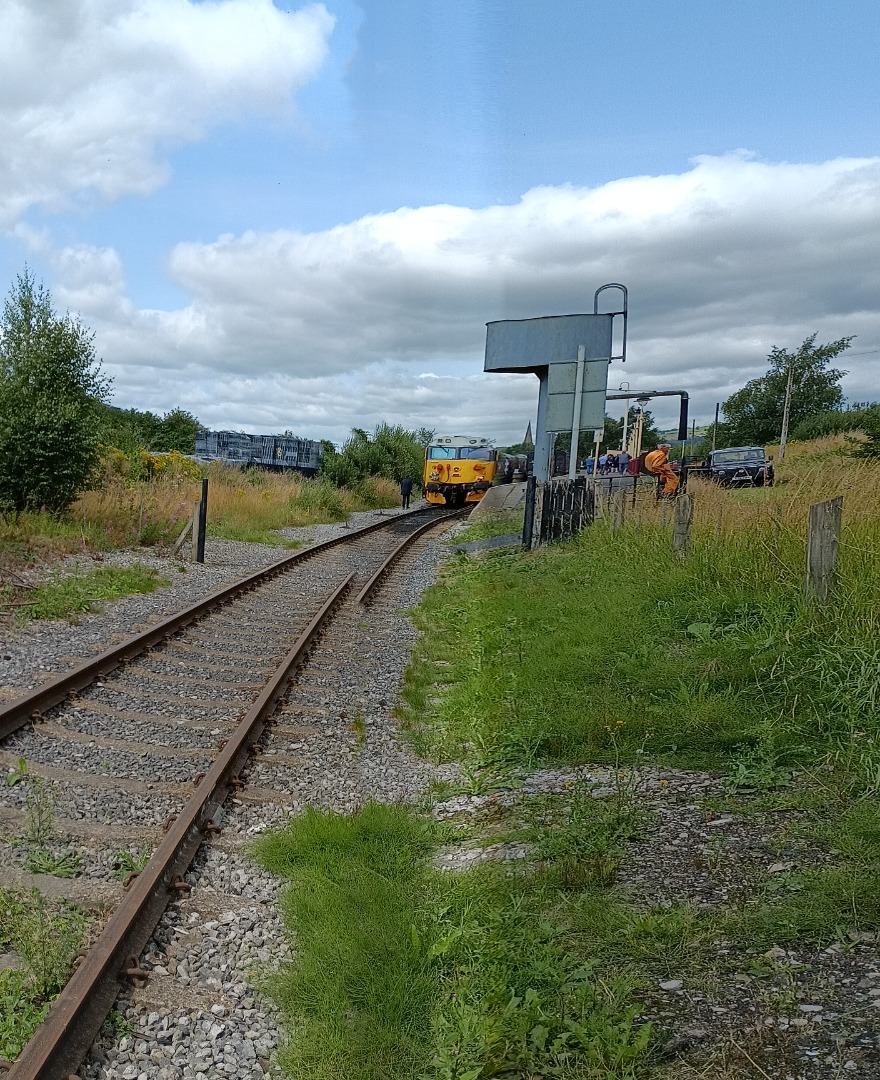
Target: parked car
(740,466)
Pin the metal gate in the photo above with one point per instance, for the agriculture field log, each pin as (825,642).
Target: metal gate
(556,510)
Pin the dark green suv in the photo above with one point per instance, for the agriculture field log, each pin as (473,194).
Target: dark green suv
(741,466)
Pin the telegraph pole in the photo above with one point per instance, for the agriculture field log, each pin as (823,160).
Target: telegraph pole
(715,425)
(785,412)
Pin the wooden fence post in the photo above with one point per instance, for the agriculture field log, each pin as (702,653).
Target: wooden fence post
(682,524)
(618,509)
(178,543)
(195,531)
(823,541)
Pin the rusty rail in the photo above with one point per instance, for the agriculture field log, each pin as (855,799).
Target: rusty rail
(367,591)
(76,1015)
(17,713)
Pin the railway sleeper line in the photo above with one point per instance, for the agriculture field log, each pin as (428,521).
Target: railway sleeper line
(76,1015)
(19,711)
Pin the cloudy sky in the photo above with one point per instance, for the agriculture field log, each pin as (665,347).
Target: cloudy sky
(283,215)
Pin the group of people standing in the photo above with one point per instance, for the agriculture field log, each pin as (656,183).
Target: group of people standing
(608,464)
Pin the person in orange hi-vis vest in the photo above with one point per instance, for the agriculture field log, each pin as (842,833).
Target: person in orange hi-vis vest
(657,463)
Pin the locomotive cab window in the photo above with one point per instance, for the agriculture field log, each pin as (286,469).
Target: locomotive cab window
(476,453)
(437,452)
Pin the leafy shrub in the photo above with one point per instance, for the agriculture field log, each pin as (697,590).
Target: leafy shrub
(391,452)
(51,390)
(870,447)
(172,464)
(834,422)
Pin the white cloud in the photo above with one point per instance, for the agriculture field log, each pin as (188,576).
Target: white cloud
(94,92)
(322,331)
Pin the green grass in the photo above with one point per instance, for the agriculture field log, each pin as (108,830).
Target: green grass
(519,999)
(607,646)
(406,973)
(44,936)
(360,992)
(66,596)
(126,862)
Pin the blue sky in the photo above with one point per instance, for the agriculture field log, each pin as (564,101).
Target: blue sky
(301,216)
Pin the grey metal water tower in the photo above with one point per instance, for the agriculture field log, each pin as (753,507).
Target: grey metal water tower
(570,355)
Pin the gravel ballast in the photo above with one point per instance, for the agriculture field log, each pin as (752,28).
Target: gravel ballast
(203,1013)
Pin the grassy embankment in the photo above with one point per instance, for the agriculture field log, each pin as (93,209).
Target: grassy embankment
(605,650)
(121,513)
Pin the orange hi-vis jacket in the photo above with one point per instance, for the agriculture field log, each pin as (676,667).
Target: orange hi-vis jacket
(657,463)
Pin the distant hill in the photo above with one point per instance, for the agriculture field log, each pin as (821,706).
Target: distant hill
(671,434)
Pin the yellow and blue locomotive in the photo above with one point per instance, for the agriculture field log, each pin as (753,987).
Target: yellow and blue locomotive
(459,469)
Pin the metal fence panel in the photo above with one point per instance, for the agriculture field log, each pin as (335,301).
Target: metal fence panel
(560,509)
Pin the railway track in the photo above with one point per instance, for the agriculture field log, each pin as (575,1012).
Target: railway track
(196,725)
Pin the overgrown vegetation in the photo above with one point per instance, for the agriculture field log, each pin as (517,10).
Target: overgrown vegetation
(697,661)
(121,512)
(606,649)
(834,422)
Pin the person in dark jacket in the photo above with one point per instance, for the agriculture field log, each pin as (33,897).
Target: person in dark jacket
(405,491)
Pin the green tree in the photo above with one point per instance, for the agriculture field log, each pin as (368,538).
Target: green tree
(51,390)
(177,431)
(753,415)
(130,430)
(391,451)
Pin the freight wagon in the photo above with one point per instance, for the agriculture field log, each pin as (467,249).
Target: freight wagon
(276,452)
